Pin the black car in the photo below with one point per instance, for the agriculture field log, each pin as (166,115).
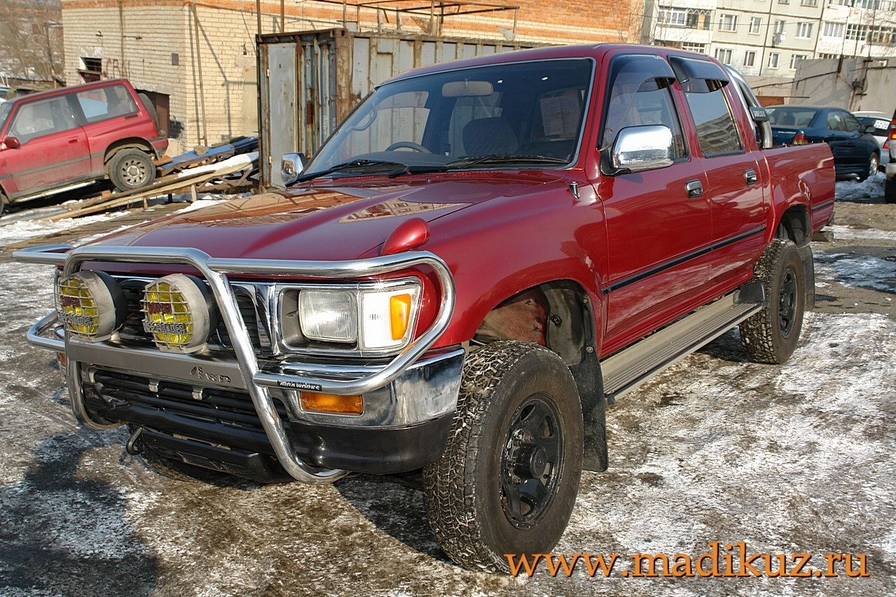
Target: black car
(856,153)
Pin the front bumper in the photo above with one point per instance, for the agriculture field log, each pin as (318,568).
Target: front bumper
(412,395)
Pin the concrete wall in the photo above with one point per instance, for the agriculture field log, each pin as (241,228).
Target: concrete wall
(852,83)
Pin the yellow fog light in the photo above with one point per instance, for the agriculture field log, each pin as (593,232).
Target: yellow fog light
(331,403)
(90,305)
(178,312)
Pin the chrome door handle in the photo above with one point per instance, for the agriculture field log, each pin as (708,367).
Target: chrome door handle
(750,176)
(694,189)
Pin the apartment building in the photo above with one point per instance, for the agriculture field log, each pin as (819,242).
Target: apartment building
(768,39)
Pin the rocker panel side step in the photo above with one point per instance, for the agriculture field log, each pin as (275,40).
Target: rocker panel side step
(625,370)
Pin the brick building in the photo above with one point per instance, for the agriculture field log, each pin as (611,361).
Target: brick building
(197,59)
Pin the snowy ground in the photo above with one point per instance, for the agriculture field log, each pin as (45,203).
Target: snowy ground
(789,460)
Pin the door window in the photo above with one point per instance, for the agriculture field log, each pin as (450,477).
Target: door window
(640,95)
(716,128)
(42,117)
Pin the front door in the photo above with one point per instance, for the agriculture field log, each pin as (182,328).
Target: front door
(52,146)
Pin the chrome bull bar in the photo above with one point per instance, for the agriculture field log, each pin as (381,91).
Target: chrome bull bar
(215,271)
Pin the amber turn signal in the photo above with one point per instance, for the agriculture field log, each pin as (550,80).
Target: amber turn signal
(331,403)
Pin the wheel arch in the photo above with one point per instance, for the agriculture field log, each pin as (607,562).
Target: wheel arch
(131,143)
(795,224)
(559,315)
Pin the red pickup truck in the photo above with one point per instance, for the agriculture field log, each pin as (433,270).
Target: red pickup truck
(482,257)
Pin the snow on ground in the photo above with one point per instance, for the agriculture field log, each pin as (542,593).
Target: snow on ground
(869,189)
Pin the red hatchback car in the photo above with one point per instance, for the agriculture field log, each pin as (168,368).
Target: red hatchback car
(62,139)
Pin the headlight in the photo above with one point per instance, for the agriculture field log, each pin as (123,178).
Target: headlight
(90,305)
(373,317)
(178,312)
(328,315)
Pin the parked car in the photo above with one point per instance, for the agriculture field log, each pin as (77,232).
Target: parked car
(62,139)
(481,257)
(877,124)
(890,187)
(856,153)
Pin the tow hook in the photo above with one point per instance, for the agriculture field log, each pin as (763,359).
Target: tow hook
(135,446)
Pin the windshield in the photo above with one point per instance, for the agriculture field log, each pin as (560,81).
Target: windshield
(521,115)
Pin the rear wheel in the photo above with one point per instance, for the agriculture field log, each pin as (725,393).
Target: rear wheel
(508,479)
(3,202)
(131,169)
(771,335)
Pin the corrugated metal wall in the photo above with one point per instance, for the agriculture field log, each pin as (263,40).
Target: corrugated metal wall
(311,80)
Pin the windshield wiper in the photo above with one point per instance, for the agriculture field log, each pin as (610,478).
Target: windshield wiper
(503,160)
(395,168)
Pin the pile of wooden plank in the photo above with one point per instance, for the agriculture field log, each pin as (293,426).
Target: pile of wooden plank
(227,167)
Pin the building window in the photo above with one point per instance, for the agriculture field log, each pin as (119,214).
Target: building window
(882,35)
(728,23)
(809,2)
(755,24)
(672,18)
(779,26)
(691,47)
(773,60)
(856,32)
(795,60)
(750,58)
(783,1)
(833,30)
(723,55)
(804,30)
(91,69)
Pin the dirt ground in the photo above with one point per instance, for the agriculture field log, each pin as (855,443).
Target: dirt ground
(717,451)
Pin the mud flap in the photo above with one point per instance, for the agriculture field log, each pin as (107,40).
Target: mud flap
(594,413)
(805,253)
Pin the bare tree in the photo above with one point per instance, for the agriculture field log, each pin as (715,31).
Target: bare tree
(31,40)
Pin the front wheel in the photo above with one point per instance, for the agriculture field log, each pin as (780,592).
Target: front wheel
(508,479)
(873,165)
(770,336)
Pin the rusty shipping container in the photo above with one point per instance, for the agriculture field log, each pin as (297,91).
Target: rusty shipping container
(309,81)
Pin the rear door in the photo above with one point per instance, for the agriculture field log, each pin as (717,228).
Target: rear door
(843,141)
(53,148)
(733,167)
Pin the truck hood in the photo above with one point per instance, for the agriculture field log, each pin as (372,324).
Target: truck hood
(321,223)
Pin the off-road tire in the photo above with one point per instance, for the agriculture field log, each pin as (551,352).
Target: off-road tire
(131,169)
(3,202)
(771,335)
(478,493)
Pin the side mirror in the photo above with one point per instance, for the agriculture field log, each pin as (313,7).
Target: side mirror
(639,148)
(10,143)
(292,165)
